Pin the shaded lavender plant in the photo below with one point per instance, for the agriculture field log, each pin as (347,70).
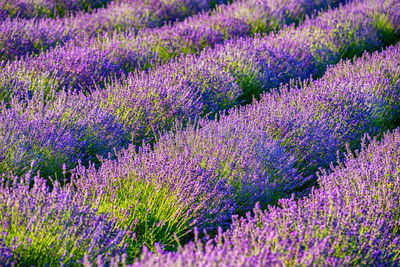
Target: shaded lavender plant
(56,227)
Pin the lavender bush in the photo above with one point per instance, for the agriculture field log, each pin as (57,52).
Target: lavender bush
(263,63)
(158,199)
(353,219)
(39,226)
(315,119)
(42,137)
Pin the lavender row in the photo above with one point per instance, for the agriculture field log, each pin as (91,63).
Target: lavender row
(141,105)
(91,61)
(46,8)
(19,37)
(353,219)
(258,153)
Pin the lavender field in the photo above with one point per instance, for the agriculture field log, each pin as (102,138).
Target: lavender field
(199,132)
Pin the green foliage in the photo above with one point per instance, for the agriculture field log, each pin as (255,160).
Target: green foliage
(152,213)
